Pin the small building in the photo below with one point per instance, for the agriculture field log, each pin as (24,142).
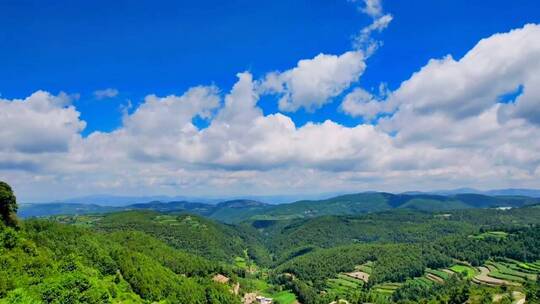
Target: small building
(220,279)
(263,300)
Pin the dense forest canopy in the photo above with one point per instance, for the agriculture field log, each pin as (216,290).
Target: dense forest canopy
(401,255)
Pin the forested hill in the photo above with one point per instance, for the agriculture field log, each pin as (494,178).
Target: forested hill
(240,210)
(287,238)
(360,203)
(227,211)
(187,232)
(46,262)
(394,256)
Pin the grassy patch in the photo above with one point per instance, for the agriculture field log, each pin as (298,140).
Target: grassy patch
(467,270)
(284,297)
(491,234)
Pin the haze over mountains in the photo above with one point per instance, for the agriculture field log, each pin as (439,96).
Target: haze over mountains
(233,211)
(122,200)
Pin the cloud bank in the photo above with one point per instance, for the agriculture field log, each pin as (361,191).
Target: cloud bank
(450,124)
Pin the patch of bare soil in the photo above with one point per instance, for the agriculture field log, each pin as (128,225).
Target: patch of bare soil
(360,275)
(484,278)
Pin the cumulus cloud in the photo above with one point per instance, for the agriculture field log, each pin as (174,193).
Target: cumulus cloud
(461,88)
(362,103)
(456,105)
(313,82)
(39,123)
(447,127)
(159,116)
(106,93)
(526,105)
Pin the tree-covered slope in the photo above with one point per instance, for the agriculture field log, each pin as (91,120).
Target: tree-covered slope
(188,232)
(146,256)
(289,238)
(46,262)
(352,204)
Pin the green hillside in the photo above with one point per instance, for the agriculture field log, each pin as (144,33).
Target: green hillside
(360,203)
(188,232)
(395,252)
(46,262)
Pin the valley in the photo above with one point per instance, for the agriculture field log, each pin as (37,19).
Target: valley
(374,248)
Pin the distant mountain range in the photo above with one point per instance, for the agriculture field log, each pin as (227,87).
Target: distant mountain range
(233,211)
(226,211)
(119,201)
(509,191)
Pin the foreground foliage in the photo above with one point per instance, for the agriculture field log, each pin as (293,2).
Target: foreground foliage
(46,262)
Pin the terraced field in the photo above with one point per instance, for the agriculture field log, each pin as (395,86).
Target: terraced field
(484,278)
(343,285)
(437,276)
(386,288)
(529,267)
(366,267)
(494,273)
(508,272)
(360,275)
(424,281)
(469,271)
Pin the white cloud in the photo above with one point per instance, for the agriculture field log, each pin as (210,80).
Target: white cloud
(364,41)
(362,103)
(314,82)
(456,106)
(40,123)
(447,125)
(106,93)
(373,8)
(526,105)
(172,114)
(494,67)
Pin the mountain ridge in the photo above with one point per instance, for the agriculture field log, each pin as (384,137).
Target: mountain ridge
(234,211)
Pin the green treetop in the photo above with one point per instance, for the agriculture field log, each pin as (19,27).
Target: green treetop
(8,205)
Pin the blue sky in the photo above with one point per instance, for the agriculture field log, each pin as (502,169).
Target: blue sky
(243,133)
(143,48)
